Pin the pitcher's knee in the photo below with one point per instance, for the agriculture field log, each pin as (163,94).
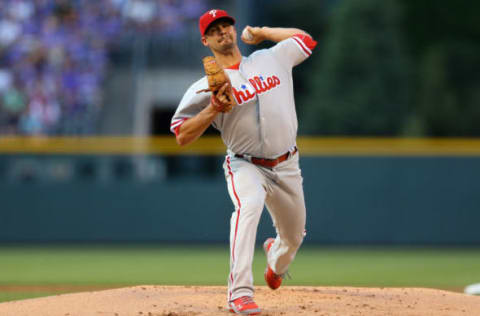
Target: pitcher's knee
(255,202)
(294,241)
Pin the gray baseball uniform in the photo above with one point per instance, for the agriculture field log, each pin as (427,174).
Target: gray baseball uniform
(263,124)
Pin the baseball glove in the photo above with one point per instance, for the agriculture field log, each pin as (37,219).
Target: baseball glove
(219,84)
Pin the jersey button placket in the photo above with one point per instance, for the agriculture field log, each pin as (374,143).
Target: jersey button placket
(264,136)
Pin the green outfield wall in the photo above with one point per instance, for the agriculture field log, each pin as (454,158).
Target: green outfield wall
(351,199)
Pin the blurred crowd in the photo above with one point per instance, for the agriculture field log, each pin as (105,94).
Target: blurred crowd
(54,57)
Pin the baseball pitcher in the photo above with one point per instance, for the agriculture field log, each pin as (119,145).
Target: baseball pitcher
(250,101)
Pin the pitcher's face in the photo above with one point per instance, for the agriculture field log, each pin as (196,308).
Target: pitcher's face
(221,36)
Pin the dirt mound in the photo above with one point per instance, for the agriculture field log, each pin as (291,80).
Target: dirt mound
(209,300)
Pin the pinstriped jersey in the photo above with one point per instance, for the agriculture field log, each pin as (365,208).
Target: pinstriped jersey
(264,121)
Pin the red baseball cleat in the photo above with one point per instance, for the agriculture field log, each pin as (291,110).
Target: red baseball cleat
(244,305)
(273,280)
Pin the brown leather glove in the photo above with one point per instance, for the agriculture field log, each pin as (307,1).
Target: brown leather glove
(219,84)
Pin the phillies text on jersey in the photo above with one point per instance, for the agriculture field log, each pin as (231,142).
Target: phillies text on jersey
(259,84)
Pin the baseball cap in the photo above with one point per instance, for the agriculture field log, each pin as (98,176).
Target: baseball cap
(211,16)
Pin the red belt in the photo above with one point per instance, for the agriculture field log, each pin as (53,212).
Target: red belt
(269,163)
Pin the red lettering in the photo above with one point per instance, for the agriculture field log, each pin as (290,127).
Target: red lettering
(239,96)
(270,82)
(265,87)
(276,80)
(242,97)
(249,95)
(259,83)
(254,85)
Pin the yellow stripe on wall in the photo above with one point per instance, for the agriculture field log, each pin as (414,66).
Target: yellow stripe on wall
(389,146)
(311,146)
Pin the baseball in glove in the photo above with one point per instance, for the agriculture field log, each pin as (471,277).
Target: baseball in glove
(219,84)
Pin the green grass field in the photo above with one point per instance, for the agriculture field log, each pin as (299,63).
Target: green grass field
(22,267)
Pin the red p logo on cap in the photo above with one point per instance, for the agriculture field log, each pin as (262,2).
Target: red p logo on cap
(211,16)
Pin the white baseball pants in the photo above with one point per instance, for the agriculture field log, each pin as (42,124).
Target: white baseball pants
(250,188)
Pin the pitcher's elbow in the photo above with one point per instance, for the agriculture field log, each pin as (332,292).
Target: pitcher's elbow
(182,140)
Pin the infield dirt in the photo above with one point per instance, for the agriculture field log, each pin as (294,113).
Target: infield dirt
(210,300)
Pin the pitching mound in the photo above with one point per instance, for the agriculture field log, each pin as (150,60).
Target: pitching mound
(201,300)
